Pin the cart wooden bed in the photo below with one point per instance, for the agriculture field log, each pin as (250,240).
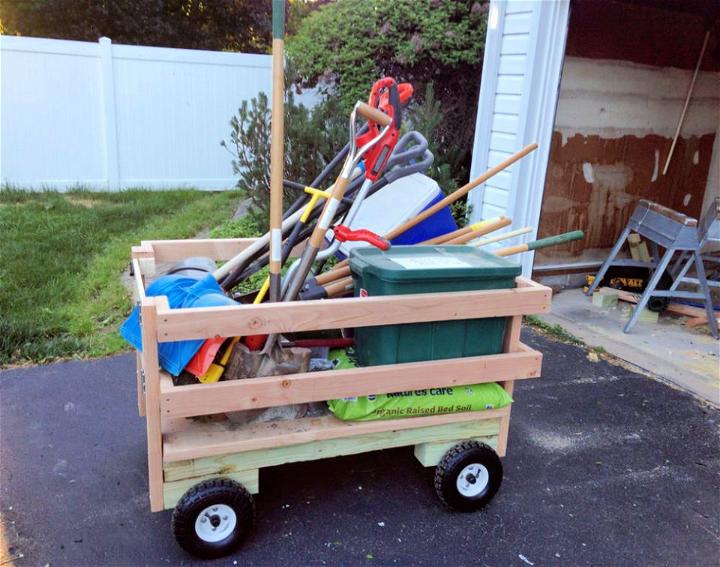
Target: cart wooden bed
(183,452)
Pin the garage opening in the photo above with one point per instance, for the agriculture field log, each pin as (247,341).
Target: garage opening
(627,69)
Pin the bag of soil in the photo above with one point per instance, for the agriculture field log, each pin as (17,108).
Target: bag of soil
(414,403)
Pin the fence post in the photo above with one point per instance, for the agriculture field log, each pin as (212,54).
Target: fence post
(107,90)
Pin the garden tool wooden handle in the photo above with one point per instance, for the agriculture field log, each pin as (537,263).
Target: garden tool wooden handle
(481,229)
(373,114)
(464,190)
(339,287)
(504,236)
(328,213)
(542,243)
(277,150)
(334,274)
(687,102)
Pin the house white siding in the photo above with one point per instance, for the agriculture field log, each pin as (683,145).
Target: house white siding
(518,93)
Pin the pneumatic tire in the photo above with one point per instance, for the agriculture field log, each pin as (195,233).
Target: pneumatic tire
(213,518)
(468,476)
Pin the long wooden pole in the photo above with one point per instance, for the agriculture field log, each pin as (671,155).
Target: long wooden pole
(464,190)
(687,103)
(504,236)
(481,230)
(542,243)
(277,150)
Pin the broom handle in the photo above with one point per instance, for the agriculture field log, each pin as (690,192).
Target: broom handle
(504,236)
(277,153)
(687,103)
(464,190)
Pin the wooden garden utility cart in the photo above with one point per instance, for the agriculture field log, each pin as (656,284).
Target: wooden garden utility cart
(208,469)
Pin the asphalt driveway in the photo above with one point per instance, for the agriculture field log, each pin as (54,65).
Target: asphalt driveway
(604,467)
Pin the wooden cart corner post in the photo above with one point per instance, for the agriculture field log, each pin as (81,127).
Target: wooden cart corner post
(182,452)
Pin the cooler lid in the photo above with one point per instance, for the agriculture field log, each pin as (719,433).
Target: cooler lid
(419,263)
(393,205)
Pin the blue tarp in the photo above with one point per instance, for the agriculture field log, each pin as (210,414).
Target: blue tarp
(182,292)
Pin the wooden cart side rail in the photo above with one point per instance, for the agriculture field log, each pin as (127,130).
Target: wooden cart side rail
(326,448)
(138,280)
(297,316)
(213,439)
(151,371)
(511,343)
(269,391)
(215,248)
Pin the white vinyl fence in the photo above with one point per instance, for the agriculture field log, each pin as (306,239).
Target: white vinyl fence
(116,116)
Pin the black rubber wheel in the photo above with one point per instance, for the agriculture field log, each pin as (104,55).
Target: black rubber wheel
(213,518)
(468,476)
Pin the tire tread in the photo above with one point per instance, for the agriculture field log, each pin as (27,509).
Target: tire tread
(450,460)
(183,519)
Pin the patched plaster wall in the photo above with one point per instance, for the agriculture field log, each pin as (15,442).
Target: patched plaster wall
(613,130)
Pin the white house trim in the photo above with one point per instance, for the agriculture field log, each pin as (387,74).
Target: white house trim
(522,66)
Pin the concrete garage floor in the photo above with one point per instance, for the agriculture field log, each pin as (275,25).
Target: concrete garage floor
(687,358)
(605,467)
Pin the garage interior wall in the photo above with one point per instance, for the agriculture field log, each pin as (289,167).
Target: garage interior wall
(626,72)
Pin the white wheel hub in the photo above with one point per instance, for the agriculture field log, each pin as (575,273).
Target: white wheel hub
(472,480)
(215,523)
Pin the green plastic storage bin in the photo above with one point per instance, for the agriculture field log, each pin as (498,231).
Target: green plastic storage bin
(429,269)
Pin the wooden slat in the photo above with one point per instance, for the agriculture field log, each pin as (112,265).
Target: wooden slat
(173,491)
(698,321)
(143,260)
(139,384)
(327,448)
(234,395)
(509,386)
(215,248)
(211,439)
(151,368)
(139,294)
(268,318)
(511,343)
(144,251)
(430,454)
(697,315)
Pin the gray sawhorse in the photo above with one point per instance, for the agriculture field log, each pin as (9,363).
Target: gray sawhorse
(675,232)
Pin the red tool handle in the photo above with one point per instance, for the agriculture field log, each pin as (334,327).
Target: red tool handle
(388,97)
(343,234)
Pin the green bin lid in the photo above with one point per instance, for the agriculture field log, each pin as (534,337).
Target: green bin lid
(419,263)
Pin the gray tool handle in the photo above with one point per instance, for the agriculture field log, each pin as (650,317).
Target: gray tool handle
(405,170)
(411,146)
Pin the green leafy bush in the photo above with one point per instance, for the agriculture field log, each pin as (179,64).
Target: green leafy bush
(243,227)
(351,43)
(426,117)
(312,138)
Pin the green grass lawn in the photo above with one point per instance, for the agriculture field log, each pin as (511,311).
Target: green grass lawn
(62,255)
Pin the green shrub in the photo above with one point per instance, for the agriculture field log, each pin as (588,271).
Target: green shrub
(312,138)
(351,43)
(243,227)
